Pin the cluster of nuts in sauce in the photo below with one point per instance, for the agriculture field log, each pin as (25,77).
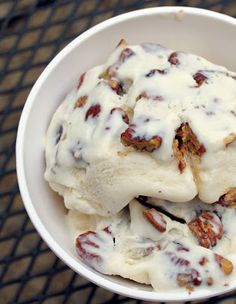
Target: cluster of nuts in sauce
(206,227)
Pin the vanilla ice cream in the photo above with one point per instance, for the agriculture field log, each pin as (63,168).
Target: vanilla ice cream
(155,123)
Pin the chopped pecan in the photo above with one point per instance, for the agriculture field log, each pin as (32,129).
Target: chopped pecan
(125,117)
(156,219)
(179,152)
(225,265)
(203,261)
(173,58)
(116,86)
(126,54)
(210,281)
(191,277)
(89,245)
(93,111)
(207,228)
(81,80)
(186,141)
(199,78)
(81,101)
(148,96)
(229,139)
(228,199)
(128,138)
(122,42)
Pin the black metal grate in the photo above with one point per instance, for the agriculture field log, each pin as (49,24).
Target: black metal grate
(32,32)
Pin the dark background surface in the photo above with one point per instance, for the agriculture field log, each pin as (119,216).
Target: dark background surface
(32,32)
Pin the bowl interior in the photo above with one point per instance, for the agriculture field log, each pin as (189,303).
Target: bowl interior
(197,31)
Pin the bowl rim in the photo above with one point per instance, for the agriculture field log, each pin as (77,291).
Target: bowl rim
(20,168)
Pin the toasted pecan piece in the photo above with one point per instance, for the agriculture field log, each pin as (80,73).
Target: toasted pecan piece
(207,228)
(122,42)
(225,265)
(125,55)
(129,138)
(173,58)
(89,245)
(116,86)
(200,78)
(229,139)
(189,278)
(93,111)
(185,141)
(81,80)
(156,219)
(228,199)
(81,101)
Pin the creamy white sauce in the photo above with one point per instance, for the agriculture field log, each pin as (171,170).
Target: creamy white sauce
(98,176)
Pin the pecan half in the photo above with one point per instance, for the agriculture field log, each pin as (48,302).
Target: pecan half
(129,138)
(207,228)
(229,139)
(90,245)
(86,245)
(225,265)
(81,101)
(156,219)
(228,199)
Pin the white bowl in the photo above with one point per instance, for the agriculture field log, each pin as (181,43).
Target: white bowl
(202,32)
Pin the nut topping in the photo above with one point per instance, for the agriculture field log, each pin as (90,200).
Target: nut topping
(186,141)
(93,111)
(225,265)
(129,138)
(199,78)
(81,80)
(81,101)
(173,58)
(207,228)
(189,278)
(228,199)
(156,219)
(229,139)
(122,42)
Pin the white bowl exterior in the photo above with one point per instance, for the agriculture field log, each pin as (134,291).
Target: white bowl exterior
(202,32)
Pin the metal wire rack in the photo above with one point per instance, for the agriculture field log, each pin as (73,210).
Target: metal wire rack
(32,32)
